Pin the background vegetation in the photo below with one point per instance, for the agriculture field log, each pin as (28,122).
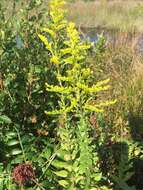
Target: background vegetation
(120,15)
(75,146)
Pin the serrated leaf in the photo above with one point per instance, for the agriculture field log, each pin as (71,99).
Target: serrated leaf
(61,173)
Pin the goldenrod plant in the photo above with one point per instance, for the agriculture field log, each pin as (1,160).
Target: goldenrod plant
(78,98)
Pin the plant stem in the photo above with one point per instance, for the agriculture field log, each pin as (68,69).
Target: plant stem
(22,187)
(49,163)
(37,184)
(20,141)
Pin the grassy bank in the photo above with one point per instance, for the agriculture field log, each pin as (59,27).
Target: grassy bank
(122,15)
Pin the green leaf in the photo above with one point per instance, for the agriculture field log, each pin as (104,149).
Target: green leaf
(11,134)
(18,159)
(61,154)
(1,168)
(12,142)
(1,176)
(46,154)
(1,183)
(105,188)
(62,173)
(63,183)
(16,152)
(60,164)
(97,176)
(5,119)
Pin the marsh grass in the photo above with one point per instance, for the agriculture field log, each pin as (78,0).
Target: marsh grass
(123,64)
(121,15)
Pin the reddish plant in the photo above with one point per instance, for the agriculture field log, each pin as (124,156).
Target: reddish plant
(23,174)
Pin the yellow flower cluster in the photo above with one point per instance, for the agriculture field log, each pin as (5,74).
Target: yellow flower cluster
(73,87)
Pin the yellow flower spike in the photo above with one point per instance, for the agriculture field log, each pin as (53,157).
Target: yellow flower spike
(103,82)
(95,89)
(99,107)
(66,51)
(93,108)
(59,89)
(55,60)
(56,12)
(49,31)
(54,112)
(85,47)
(57,4)
(62,78)
(58,18)
(72,33)
(45,41)
(107,103)
(61,26)
(76,82)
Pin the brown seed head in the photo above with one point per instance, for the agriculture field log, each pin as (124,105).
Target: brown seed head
(23,174)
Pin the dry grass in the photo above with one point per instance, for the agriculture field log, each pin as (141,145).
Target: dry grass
(125,69)
(119,14)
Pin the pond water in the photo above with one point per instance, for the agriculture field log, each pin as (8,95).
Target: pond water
(115,38)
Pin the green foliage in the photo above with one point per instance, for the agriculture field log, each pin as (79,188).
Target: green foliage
(22,92)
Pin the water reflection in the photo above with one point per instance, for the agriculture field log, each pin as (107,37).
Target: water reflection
(115,38)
